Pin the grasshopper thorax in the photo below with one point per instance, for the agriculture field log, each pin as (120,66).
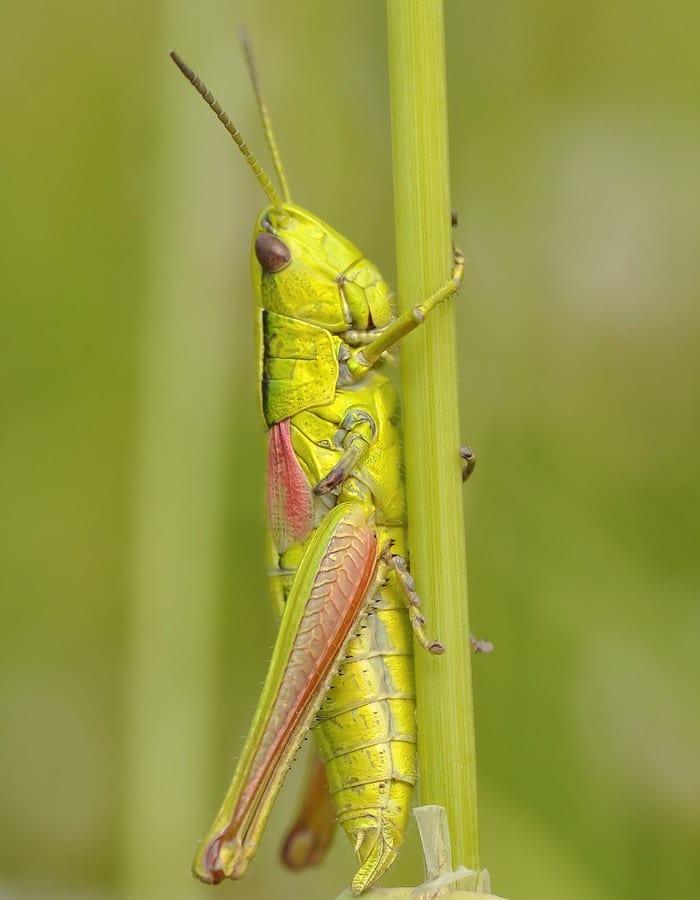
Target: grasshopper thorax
(305,269)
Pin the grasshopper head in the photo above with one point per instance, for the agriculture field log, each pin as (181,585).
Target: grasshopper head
(304,269)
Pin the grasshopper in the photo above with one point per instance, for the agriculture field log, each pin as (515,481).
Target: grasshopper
(342,664)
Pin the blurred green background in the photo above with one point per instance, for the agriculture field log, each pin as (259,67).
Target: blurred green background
(135,620)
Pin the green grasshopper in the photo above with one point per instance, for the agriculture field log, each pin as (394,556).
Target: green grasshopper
(335,500)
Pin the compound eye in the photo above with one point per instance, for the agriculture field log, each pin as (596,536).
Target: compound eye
(272,253)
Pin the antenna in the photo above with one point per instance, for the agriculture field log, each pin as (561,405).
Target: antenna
(264,112)
(211,101)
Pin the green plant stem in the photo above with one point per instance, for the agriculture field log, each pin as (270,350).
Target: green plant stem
(438,560)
